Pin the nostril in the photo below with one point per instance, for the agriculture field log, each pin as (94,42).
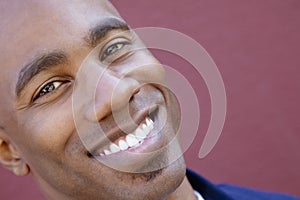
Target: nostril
(131,98)
(134,93)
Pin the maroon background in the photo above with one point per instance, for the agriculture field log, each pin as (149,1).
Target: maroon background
(256,45)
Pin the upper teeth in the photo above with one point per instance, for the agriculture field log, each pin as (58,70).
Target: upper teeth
(131,140)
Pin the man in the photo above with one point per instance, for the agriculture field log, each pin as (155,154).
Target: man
(78,89)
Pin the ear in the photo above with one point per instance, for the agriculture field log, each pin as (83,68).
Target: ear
(10,157)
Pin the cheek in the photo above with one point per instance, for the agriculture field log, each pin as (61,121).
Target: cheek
(45,131)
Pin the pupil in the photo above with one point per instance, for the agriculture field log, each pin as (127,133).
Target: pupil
(112,49)
(48,88)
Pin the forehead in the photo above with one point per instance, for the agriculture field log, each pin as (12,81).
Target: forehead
(24,19)
(31,26)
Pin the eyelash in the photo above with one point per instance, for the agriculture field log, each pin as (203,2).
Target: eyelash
(52,86)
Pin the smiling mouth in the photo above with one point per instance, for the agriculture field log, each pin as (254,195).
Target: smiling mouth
(130,141)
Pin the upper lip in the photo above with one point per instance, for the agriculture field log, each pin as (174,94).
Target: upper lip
(118,130)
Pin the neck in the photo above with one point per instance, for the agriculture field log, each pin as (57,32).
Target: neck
(184,191)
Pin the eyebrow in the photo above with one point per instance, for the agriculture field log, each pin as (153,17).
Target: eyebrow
(100,30)
(52,59)
(40,63)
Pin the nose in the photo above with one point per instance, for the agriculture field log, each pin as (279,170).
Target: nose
(113,93)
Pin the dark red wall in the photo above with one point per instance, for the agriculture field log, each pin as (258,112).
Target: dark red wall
(256,45)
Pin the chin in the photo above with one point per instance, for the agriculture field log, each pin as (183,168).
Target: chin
(157,184)
(165,181)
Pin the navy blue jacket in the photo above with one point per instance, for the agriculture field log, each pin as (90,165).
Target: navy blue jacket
(211,191)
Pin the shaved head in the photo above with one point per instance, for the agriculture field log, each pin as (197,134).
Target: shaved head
(43,46)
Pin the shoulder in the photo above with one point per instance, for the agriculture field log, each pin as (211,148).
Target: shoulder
(249,194)
(212,191)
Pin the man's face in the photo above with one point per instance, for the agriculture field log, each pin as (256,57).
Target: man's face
(44,46)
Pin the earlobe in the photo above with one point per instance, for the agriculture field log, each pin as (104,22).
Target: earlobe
(20,168)
(11,160)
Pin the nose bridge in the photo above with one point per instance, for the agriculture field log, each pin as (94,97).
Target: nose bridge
(113,93)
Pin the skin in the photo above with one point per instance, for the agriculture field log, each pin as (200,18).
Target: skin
(40,137)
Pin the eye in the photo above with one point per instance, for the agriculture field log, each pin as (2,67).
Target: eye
(114,51)
(48,88)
